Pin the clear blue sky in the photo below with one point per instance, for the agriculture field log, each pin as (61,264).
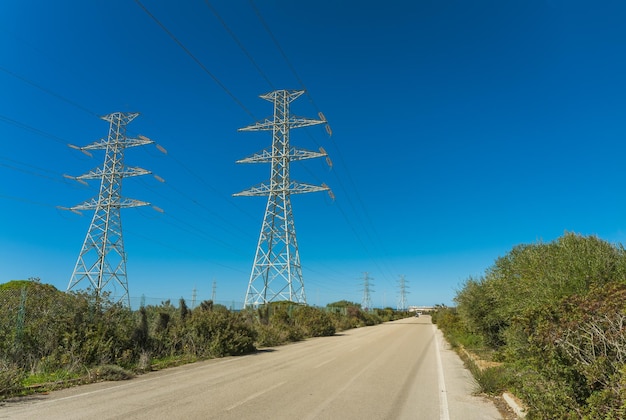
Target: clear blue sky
(460,129)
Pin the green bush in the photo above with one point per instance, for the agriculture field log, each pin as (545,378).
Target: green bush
(222,333)
(555,314)
(492,380)
(313,322)
(273,335)
(11,377)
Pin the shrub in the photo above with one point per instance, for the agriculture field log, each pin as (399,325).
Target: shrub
(313,322)
(111,373)
(11,377)
(492,380)
(555,313)
(222,333)
(273,335)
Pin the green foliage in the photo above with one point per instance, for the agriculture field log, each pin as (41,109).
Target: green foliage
(11,377)
(51,334)
(492,380)
(389,314)
(556,313)
(348,315)
(530,276)
(219,333)
(449,321)
(343,304)
(111,373)
(313,322)
(270,335)
(580,345)
(279,324)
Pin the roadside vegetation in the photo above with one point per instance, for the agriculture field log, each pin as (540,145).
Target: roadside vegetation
(51,339)
(548,322)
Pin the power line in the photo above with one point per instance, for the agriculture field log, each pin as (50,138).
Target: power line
(25,200)
(239,44)
(30,171)
(282,52)
(48,91)
(194,58)
(182,251)
(32,129)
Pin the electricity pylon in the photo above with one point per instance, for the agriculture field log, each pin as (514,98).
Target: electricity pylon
(276,272)
(102,260)
(366,303)
(402,305)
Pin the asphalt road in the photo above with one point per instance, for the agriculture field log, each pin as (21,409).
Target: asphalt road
(397,370)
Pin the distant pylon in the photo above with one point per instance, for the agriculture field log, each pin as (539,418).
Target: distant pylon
(402,304)
(102,260)
(366,303)
(276,272)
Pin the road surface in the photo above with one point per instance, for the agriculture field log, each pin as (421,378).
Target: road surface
(397,370)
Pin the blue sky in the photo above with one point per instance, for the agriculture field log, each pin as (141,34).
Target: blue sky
(460,129)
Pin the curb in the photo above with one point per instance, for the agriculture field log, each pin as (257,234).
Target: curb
(515,405)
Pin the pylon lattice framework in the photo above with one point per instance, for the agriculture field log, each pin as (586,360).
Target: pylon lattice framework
(366,302)
(276,273)
(102,260)
(402,302)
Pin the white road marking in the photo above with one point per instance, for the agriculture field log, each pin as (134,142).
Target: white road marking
(444,414)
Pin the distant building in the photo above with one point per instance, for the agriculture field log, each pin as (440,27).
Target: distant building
(420,308)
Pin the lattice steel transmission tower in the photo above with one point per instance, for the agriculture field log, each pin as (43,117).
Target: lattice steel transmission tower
(102,260)
(366,303)
(276,272)
(402,304)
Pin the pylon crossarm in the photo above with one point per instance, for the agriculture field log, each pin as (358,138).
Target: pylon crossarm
(122,118)
(264,156)
(301,154)
(289,95)
(86,205)
(139,141)
(294,188)
(130,202)
(101,144)
(94,204)
(297,122)
(266,125)
(299,188)
(93,174)
(134,171)
(257,190)
(293,122)
(127,171)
